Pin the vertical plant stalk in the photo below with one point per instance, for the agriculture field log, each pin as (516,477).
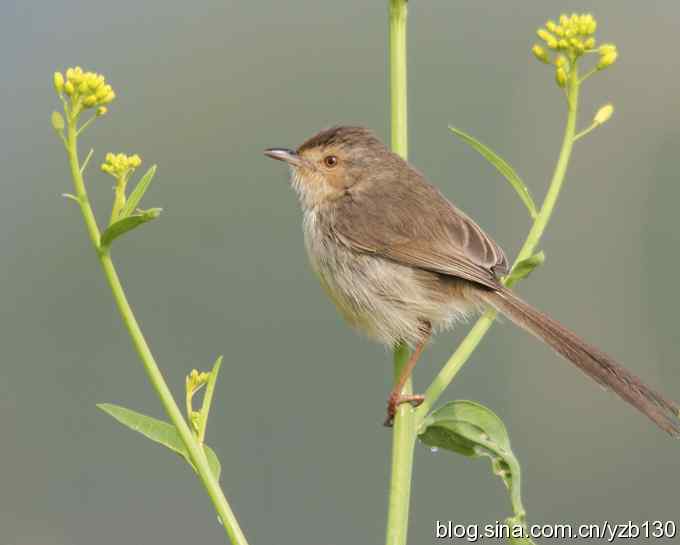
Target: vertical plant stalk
(476,334)
(192,445)
(407,421)
(404,431)
(403,446)
(398,80)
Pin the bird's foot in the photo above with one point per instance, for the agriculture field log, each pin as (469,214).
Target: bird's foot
(397,399)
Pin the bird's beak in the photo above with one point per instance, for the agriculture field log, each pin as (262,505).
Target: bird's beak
(282,154)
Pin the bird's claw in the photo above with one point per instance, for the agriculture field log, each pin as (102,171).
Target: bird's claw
(397,399)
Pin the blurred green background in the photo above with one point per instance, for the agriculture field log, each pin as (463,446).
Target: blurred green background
(203,87)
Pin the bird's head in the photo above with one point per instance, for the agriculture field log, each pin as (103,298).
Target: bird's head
(327,165)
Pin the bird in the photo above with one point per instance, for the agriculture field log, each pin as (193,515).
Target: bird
(401,262)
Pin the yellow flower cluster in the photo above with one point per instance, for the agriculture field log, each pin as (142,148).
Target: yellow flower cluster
(194,382)
(570,38)
(196,379)
(87,89)
(120,166)
(573,35)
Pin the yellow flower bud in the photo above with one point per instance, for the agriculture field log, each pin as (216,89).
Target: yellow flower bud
(93,81)
(102,110)
(607,59)
(68,87)
(606,48)
(547,37)
(136,161)
(560,61)
(540,53)
(559,31)
(58,82)
(83,88)
(89,101)
(589,43)
(109,98)
(110,157)
(563,44)
(564,20)
(551,26)
(603,114)
(561,77)
(103,91)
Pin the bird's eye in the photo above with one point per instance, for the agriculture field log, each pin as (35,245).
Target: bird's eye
(330,161)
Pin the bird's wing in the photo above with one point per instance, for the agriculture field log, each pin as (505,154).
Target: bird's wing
(412,223)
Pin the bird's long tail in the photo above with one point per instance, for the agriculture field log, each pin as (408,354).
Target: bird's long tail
(593,362)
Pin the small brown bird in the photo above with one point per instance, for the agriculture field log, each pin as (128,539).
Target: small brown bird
(399,260)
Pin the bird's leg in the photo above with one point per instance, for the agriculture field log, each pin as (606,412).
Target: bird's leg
(396,398)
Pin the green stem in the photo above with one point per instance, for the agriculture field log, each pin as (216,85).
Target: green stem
(86,124)
(118,197)
(403,445)
(153,372)
(86,161)
(585,131)
(403,435)
(398,80)
(473,338)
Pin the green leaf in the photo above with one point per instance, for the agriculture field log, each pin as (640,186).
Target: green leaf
(208,395)
(138,192)
(503,167)
(160,432)
(474,430)
(469,423)
(122,226)
(57,121)
(525,267)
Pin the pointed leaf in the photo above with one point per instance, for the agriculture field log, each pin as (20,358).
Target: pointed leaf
(160,432)
(474,430)
(524,268)
(207,397)
(138,192)
(122,226)
(57,121)
(503,167)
